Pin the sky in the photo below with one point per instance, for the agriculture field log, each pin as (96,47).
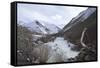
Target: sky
(53,14)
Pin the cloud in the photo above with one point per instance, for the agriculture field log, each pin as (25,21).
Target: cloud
(57,15)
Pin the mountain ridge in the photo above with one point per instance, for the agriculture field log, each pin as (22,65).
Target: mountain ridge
(40,27)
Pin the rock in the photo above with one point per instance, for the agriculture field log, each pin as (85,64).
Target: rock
(86,55)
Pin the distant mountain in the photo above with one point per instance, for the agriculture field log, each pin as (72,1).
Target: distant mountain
(40,27)
(51,28)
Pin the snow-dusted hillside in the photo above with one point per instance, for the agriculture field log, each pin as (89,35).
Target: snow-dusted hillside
(81,17)
(40,27)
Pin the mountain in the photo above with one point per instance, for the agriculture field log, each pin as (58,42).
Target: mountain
(51,28)
(80,18)
(40,27)
(86,19)
(82,31)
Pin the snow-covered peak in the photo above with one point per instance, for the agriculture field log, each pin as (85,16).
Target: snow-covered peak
(40,26)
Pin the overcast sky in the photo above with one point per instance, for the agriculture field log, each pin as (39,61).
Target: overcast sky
(58,15)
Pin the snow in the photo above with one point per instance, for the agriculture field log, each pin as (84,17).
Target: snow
(60,50)
(88,12)
(40,27)
(43,30)
(82,16)
(52,28)
(37,35)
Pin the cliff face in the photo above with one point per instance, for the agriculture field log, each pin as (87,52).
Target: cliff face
(74,31)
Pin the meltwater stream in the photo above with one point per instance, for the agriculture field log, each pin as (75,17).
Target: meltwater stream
(60,50)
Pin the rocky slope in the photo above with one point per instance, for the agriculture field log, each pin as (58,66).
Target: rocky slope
(82,31)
